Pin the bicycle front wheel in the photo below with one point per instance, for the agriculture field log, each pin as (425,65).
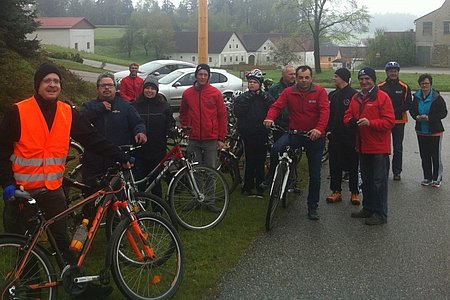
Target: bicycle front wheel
(38,273)
(147,278)
(275,194)
(199,199)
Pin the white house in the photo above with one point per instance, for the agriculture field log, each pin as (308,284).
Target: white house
(71,32)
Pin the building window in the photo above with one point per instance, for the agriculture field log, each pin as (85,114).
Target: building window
(193,58)
(210,59)
(76,46)
(446,27)
(231,58)
(329,59)
(224,59)
(237,46)
(237,58)
(229,46)
(265,48)
(88,45)
(242,57)
(427,28)
(181,57)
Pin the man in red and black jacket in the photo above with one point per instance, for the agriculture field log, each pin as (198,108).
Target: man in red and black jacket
(400,95)
(131,86)
(371,112)
(309,111)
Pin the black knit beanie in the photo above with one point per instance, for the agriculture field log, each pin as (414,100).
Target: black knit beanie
(151,81)
(43,70)
(203,67)
(344,73)
(368,72)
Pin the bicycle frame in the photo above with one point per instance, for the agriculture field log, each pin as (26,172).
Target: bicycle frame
(283,157)
(108,201)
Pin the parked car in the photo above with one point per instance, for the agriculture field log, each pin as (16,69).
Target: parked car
(174,84)
(158,68)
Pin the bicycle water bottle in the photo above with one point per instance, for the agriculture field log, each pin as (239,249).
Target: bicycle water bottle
(79,237)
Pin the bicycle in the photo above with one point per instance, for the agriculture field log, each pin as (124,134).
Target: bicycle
(144,255)
(198,195)
(285,177)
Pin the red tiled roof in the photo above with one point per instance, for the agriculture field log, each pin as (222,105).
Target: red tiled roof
(60,22)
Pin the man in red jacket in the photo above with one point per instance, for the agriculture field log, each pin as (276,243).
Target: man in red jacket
(203,110)
(371,112)
(309,110)
(131,86)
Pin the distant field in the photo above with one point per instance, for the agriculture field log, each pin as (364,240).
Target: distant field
(106,33)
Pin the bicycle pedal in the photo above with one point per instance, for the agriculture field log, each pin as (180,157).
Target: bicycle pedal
(105,277)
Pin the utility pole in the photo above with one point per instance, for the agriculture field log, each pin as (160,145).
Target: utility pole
(202,31)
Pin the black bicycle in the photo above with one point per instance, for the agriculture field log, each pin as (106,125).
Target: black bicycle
(285,177)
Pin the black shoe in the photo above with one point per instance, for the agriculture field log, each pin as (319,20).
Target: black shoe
(95,291)
(260,193)
(266,183)
(397,177)
(247,193)
(312,213)
(375,220)
(362,214)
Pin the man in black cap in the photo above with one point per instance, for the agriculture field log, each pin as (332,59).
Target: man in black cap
(33,133)
(341,145)
(371,113)
(203,110)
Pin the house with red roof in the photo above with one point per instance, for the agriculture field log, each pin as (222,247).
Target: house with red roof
(71,32)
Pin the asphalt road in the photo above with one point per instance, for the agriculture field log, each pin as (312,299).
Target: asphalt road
(341,258)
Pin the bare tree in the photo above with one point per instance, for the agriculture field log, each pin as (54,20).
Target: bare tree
(334,19)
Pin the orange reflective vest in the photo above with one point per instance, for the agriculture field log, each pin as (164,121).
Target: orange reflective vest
(39,156)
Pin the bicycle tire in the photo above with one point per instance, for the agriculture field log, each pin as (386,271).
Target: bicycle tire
(228,165)
(41,270)
(151,203)
(147,279)
(325,154)
(74,156)
(275,194)
(196,213)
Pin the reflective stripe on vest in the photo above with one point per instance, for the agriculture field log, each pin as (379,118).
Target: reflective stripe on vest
(39,156)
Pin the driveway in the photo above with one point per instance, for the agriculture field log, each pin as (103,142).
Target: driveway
(341,258)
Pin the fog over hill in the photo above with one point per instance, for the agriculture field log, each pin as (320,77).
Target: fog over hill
(392,22)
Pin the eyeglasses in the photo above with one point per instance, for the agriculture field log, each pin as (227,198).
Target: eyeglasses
(49,80)
(106,85)
(425,83)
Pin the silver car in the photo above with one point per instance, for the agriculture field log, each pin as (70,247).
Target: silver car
(158,68)
(174,84)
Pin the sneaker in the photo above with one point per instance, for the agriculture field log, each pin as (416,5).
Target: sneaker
(426,182)
(354,199)
(95,291)
(260,193)
(312,213)
(362,214)
(247,193)
(436,184)
(334,197)
(375,220)
(266,183)
(397,177)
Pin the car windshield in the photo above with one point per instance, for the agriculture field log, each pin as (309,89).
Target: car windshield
(170,77)
(150,67)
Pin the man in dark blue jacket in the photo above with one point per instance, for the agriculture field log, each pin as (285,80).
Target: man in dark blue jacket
(114,118)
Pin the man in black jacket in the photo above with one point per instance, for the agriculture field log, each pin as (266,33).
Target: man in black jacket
(341,145)
(401,98)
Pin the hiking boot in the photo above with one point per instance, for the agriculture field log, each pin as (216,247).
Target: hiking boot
(397,177)
(436,184)
(362,214)
(375,220)
(334,197)
(426,182)
(95,291)
(354,199)
(312,213)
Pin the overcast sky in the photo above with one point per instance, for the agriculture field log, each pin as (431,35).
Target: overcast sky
(415,7)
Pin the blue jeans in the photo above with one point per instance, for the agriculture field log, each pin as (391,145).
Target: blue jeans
(374,175)
(314,150)
(205,152)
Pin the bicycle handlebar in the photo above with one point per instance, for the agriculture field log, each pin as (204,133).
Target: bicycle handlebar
(289,131)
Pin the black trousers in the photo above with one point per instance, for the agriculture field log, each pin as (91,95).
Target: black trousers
(18,220)
(430,153)
(343,157)
(255,151)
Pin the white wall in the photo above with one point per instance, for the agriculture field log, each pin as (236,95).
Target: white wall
(66,38)
(82,37)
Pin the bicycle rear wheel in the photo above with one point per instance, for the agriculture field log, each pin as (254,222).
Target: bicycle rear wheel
(228,165)
(275,194)
(199,211)
(157,278)
(38,271)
